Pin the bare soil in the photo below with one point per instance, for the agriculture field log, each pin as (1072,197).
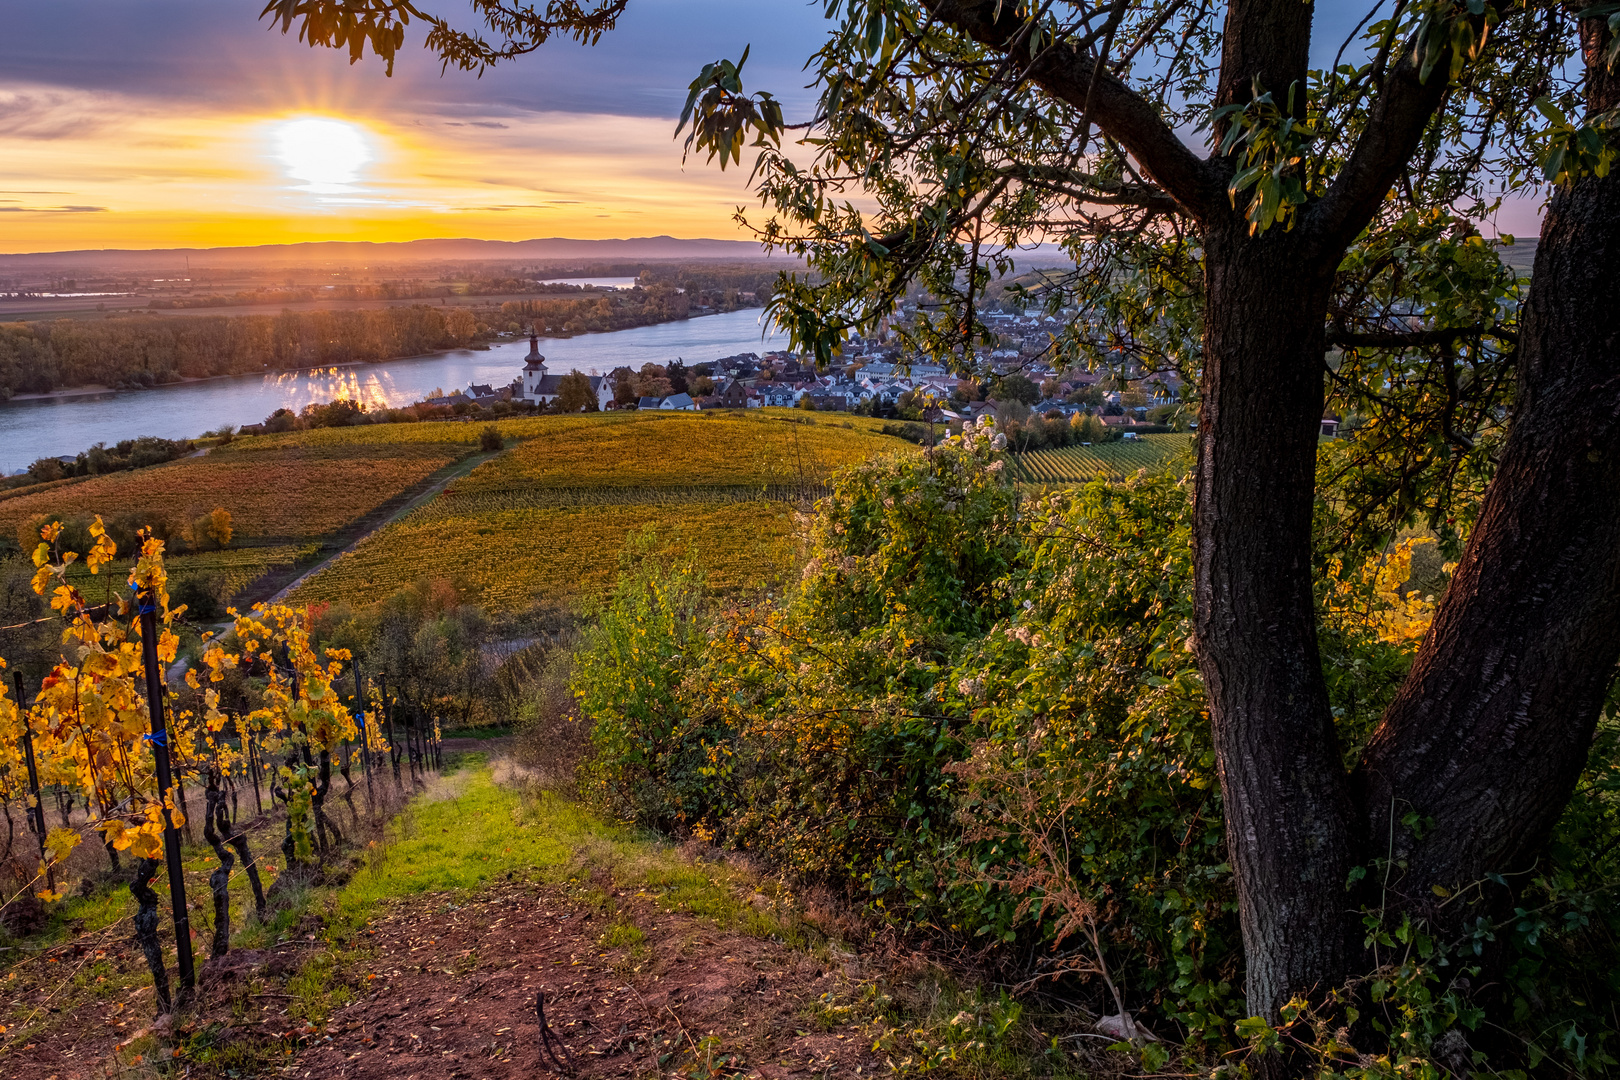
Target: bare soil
(452,993)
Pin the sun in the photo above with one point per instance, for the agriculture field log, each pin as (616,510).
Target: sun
(324,155)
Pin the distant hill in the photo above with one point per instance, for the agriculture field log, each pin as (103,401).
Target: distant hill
(350,253)
(343,252)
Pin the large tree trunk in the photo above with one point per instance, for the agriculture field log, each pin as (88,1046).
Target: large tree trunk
(1489,733)
(1282,779)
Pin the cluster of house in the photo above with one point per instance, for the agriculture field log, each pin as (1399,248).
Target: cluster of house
(872,375)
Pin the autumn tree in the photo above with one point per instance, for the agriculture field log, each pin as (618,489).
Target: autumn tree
(219,528)
(1332,209)
(575,394)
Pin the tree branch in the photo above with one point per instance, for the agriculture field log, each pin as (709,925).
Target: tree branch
(1084,187)
(1415,339)
(1069,74)
(1395,125)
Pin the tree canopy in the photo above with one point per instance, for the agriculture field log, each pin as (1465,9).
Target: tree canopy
(1289,238)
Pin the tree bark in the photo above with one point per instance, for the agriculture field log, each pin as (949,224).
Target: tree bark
(238,840)
(1291,825)
(1285,790)
(1488,735)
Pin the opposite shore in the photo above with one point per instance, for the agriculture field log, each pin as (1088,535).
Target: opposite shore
(92,389)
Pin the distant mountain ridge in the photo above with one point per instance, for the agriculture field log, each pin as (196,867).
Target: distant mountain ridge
(351,252)
(344,252)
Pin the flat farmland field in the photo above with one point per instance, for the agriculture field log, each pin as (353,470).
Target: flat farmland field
(1078,464)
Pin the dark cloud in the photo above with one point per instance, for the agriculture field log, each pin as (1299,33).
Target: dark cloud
(219,54)
(53,209)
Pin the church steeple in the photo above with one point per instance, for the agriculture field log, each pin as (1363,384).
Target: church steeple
(534,360)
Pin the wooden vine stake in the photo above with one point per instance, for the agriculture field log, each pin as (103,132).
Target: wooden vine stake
(36,813)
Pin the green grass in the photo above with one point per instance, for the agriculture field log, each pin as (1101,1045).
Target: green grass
(472,831)
(480,825)
(491,731)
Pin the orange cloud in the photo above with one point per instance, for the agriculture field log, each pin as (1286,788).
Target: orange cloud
(85,169)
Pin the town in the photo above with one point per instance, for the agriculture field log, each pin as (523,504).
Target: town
(869,378)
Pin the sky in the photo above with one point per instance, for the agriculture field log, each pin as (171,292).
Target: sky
(164,123)
(190,123)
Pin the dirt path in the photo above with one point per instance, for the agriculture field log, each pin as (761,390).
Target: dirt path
(455,472)
(453,990)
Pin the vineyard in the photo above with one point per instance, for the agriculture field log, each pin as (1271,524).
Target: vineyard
(1078,464)
(230,571)
(289,499)
(507,559)
(675,449)
(276,494)
(131,763)
(546,521)
(186,783)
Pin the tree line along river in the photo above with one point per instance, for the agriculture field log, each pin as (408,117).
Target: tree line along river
(66,424)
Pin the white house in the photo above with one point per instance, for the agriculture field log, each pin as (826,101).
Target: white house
(542,389)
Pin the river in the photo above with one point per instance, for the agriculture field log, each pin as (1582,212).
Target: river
(56,426)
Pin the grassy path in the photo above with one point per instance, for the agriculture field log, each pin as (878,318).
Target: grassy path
(426,957)
(479,887)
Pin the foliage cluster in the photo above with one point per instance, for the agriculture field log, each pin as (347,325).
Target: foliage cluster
(979,716)
(597,312)
(101,458)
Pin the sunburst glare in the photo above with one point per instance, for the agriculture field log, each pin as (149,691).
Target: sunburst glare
(324,155)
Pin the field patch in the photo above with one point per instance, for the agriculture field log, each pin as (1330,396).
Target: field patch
(545,521)
(1078,464)
(678,450)
(509,559)
(276,494)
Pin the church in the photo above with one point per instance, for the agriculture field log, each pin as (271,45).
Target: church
(542,389)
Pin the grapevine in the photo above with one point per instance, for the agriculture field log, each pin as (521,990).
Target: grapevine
(110,733)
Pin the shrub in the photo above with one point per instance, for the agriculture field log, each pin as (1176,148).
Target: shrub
(489,439)
(982,718)
(212,530)
(650,758)
(202,595)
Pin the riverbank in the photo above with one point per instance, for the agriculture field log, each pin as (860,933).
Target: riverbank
(65,424)
(480,344)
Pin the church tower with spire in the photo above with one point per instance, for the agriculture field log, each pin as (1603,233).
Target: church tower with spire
(534,368)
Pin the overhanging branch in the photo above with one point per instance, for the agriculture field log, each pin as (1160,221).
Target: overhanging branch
(1072,75)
